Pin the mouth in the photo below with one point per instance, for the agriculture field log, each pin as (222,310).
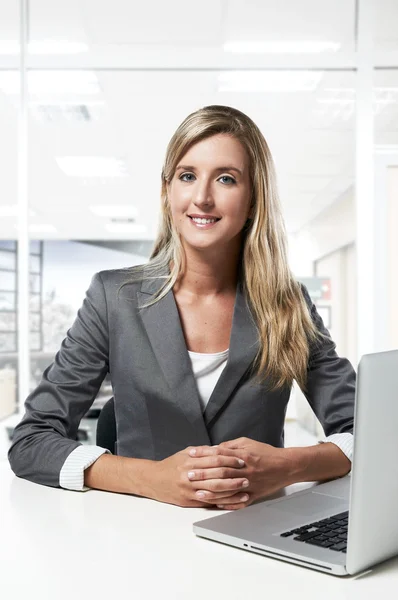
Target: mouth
(204,223)
(215,219)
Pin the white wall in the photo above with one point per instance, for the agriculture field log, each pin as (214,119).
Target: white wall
(392,257)
(333,267)
(350,349)
(330,241)
(340,267)
(331,230)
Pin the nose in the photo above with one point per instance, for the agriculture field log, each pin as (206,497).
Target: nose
(202,193)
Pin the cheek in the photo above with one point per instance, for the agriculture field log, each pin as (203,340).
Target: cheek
(179,201)
(177,213)
(238,212)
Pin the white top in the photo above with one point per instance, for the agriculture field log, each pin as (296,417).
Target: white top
(207,369)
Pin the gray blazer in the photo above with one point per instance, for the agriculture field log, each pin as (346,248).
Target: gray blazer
(157,405)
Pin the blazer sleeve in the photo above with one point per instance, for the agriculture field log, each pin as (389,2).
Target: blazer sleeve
(47,432)
(330,381)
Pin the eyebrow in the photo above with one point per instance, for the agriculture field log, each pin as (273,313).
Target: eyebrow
(218,170)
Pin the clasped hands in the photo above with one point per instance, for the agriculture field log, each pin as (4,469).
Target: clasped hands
(230,475)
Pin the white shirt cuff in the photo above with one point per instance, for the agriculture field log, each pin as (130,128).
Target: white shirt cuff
(71,476)
(345,441)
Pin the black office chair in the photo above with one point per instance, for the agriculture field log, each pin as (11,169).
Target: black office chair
(106,427)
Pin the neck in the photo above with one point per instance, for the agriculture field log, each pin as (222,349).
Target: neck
(207,277)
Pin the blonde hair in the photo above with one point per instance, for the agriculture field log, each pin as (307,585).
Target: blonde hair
(275,298)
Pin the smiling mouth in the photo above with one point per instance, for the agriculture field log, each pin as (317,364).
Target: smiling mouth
(212,220)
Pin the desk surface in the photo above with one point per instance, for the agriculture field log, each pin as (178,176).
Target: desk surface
(60,544)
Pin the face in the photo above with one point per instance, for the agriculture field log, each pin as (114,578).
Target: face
(211,181)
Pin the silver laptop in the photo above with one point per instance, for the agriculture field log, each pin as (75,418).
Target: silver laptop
(346,525)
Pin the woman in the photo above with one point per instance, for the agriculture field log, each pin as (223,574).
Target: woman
(202,345)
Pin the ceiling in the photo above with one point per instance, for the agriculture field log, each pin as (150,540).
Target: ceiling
(150,64)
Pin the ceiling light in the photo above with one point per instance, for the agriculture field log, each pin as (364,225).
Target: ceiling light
(340,102)
(110,210)
(125,228)
(44,47)
(51,82)
(282,47)
(56,47)
(65,112)
(12,210)
(92,166)
(40,228)
(379,93)
(269,81)
(386,148)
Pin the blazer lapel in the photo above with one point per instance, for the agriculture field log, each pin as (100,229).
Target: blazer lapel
(163,326)
(164,329)
(243,346)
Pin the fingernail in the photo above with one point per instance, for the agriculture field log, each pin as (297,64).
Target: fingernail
(200,494)
(241,462)
(245,483)
(244,498)
(192,452)
(191,474)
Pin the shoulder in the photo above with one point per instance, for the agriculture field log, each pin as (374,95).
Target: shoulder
(110,282)
(146,278)
(112,277)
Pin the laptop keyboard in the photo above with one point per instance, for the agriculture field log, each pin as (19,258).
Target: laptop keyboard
(328,533)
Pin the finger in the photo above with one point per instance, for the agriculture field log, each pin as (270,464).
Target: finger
(201,451)
(198,475)
(225,498)
(231,445)
(227,467)
(236,499)
(230,458)
(232,506)
(212,487)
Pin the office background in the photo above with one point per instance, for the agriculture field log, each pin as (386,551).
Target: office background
(90,94)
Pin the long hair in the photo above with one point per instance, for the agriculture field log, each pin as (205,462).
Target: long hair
(275,298)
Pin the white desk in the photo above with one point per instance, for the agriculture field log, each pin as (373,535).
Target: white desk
(57,544)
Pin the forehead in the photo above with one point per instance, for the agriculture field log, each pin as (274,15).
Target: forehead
(220,149)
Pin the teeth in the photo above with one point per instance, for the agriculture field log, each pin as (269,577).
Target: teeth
(203,221)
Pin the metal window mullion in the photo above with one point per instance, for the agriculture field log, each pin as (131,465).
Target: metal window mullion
(364,181)
(41,298)
(23,235)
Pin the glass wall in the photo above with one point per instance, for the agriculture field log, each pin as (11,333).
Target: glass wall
(117,83)
(108,84)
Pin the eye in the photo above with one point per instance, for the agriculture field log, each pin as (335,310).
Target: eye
(232,180)
(185,175)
